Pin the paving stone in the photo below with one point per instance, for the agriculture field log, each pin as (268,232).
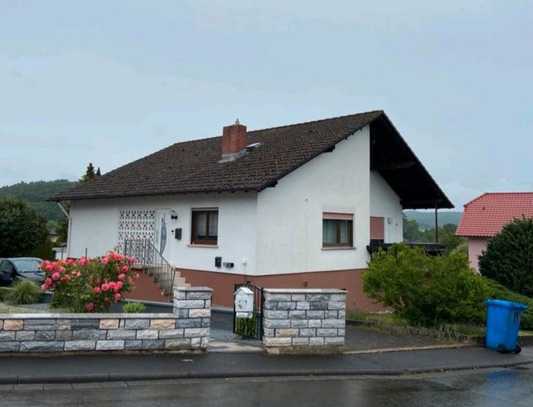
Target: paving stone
(331,314)
(333,323)
(40,324)
(317,341)
(270,314)
(88,334)
(297,297)
(64,334)
(200,313)
(277,341)
(137,323)
(315,314)
(153,344)
(147,334)
(326,332)
(341,332)
(189,323)
(189,303)
(133,345)
(13,325)
(300,341)
(298,314)
(286,332)
(277,323)
(171,333)
(302,305)
(269,332)
(198,295)
(277,297)
(317,297)
(206,322)
(196,342)
(42,346)
(64,324)
(22,335)
(77,324)
(110,345)
(7,335)
(318,305)
(45,335)
(192,332)
(121,334)
(315,323)
(181,312)
(79,345)
(307,332)
(109,323)
(177,343)
(299,323)
(9,346)
(163,323)
(340,305)
(334,341)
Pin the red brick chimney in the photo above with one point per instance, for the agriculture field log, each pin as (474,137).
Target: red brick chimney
(233,139)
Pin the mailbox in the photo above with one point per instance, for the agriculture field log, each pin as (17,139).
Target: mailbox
(244,303)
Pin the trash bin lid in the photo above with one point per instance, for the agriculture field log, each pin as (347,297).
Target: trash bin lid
(507,304)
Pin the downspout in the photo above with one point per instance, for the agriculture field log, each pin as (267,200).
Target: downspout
(67,215)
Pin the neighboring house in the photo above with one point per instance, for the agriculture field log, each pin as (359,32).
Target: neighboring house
(290,206)
(486,215)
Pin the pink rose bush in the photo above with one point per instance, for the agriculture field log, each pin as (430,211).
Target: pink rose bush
(88,285)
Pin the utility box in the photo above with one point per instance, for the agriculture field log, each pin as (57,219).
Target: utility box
(244,303)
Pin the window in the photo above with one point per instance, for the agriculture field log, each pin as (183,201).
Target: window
(204,228)
(337,229)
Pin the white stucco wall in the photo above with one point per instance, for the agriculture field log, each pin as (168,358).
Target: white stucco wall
(94,226)
(289,216)
(385,203)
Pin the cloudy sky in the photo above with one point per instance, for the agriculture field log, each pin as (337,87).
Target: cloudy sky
(109,81)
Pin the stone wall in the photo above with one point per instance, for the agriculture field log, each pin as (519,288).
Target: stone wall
(302,318)
(187,328)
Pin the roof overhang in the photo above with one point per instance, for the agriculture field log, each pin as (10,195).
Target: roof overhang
(392,158)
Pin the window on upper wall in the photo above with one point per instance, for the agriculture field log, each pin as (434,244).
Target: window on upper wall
(337,229)
(204,226)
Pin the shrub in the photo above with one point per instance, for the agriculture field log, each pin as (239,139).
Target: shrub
(4,292)
(24,292)
(88,285)
(426,290)
(133,308)
(509,257)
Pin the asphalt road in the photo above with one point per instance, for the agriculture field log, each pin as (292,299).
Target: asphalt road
(505,387)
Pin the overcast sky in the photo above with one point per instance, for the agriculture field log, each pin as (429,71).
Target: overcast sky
(111,81)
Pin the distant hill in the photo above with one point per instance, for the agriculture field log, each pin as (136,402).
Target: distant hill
(427,219)
(36,194)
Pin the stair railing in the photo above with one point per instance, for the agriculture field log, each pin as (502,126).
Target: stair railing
(152,261)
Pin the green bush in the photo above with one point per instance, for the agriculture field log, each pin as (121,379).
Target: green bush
(24,292)
(509,257)
(426,290)
(4,292)
(246,327)
(133,307)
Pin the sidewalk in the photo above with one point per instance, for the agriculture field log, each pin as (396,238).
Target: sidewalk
(110,367)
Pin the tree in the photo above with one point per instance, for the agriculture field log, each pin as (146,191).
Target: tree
(89,173)
(509,257)
(22,230)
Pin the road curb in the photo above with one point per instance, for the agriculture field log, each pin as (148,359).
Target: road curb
(118,377)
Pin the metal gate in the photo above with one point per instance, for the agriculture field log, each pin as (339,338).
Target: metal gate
(250,328)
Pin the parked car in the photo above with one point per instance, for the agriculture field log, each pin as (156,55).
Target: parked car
(21,267)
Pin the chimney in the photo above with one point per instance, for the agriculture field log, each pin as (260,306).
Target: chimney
(234,140)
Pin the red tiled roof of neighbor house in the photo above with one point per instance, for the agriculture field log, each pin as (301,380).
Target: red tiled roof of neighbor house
(486,215)
(197,166)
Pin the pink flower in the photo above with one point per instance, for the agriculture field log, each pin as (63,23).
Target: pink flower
(89,307)
(111,285)
(117,297)
(119,285)
(56,276)
(124,269)
(122,277)
(96,290)
(48,281)
(44,287)
(105,287)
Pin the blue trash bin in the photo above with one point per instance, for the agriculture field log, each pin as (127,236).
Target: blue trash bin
(503,324)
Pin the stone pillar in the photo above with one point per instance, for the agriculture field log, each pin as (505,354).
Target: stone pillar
(192,307)
(304,319)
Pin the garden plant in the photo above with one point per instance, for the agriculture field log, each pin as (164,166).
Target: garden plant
(88,285)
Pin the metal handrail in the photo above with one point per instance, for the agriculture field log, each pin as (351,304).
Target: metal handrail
(149,258)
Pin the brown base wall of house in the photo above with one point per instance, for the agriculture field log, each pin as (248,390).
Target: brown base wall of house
(223,285)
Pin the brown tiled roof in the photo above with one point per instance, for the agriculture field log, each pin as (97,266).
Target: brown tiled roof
(194,166)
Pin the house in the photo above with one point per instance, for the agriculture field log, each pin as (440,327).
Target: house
(486,215)
(289,206)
